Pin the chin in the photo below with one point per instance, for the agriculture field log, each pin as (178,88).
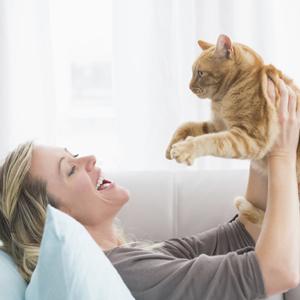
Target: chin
(200,92)
(123,194)
(202,96)
(127,196)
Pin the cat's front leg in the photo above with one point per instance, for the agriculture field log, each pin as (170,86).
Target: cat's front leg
(234,143)
(189,129)
(184,151)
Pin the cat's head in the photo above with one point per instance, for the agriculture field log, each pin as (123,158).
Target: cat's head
(218,66)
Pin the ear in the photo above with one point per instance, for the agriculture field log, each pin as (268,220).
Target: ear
(224,47)
(204,45)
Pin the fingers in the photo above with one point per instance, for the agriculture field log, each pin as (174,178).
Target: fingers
(271,90)
(284,98)
(292,106)
(298,107)
(289,102)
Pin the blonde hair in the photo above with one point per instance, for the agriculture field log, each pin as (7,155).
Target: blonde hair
(23,203)
(23,206)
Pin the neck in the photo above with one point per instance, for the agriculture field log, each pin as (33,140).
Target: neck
(232,81)
(227,83)
(104,235)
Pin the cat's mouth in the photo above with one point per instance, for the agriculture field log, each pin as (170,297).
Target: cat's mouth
(199,92)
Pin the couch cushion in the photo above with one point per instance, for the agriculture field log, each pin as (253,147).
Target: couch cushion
(12,285)
(204,198)
(165,204)
(149,213)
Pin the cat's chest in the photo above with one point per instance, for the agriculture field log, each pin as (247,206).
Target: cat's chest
(218,116)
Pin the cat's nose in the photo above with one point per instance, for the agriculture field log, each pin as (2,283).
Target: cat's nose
(192,88)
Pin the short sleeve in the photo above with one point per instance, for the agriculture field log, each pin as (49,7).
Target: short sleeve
(220,240)
(293,294)
(152,275)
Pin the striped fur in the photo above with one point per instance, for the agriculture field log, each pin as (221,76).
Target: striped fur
(244,121)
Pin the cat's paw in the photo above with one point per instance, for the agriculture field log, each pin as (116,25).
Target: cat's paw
(168,152)
(174,141)
(184,151)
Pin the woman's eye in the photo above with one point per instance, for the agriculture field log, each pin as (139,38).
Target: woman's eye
(72,171)
(74,167)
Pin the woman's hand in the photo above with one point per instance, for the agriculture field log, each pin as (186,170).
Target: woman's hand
(285,145)
(289,120)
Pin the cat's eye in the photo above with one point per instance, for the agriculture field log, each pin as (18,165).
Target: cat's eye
(200,73)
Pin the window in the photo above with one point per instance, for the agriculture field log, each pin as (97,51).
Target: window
(82,60)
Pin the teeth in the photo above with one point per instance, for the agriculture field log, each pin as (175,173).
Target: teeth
(106,185)
(99,182)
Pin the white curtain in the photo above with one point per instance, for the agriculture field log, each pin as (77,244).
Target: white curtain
(27,108)
(154,46)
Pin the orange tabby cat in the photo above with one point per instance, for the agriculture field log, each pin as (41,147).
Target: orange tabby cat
(244,120)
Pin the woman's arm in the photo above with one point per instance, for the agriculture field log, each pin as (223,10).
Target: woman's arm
(277,247)
(256,193)
(257,189)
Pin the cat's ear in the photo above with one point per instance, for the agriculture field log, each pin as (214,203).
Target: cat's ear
(204,45)
(224,47)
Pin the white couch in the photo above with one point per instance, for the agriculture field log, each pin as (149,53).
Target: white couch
(168,204)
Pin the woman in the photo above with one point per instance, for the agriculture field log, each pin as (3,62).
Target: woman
(223,263)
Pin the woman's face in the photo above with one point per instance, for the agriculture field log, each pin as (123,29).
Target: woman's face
(72,180)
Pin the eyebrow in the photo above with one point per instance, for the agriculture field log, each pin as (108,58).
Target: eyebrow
(60,161)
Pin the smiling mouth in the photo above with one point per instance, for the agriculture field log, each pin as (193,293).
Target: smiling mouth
(103,184)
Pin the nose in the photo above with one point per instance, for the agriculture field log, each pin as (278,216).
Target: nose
(89,162)
(192,82)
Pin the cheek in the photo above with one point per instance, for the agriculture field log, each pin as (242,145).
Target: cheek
(196,80)
(81,186)
(80,193)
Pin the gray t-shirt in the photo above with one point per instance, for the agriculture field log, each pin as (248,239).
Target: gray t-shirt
(218,264)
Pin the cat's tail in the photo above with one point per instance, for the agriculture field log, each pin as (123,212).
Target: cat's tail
(249,211)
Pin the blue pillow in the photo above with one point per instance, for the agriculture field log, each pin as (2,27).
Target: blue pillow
(71,265)
(12,285)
